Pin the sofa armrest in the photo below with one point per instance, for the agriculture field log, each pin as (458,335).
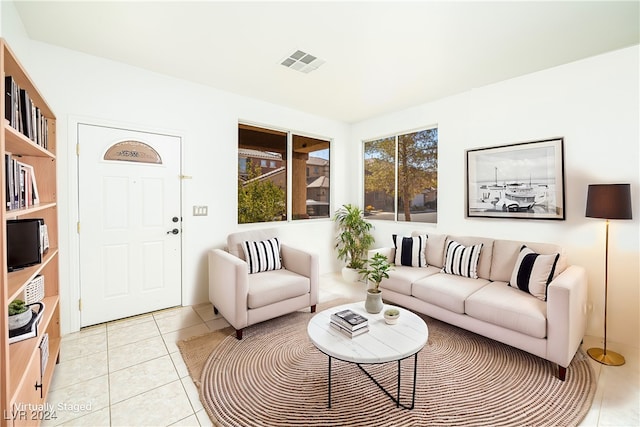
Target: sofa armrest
(388,252)
(305,264)
(566,314)
(228,286)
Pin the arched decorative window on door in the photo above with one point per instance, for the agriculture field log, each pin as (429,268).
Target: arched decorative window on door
(133,151)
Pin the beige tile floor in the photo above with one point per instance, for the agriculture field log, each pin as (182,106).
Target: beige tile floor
(130,372)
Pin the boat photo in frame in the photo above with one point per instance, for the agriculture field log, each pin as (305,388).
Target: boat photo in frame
(523,180)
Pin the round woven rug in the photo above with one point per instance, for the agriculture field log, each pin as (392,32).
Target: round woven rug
(275,376)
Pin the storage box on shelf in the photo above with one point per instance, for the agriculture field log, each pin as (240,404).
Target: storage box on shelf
(23,378)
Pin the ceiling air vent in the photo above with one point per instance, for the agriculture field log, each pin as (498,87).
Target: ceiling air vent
(302,61)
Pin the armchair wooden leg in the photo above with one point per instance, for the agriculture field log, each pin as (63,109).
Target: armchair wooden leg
(313,308)
(562,373)
(239,334)
(215,310)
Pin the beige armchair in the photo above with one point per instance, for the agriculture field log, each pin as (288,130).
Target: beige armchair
(245,299)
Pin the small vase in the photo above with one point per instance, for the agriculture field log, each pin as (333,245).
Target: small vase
(373,303)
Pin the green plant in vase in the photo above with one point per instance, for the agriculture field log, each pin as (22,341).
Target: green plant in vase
(377,269)
(19,314)
(354,238)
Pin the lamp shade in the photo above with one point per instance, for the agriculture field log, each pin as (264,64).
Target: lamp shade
(609,201)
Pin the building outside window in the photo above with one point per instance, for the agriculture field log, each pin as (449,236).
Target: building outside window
(401,177)
(284,189)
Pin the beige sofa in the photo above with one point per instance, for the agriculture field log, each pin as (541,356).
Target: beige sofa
(487,305)
(245,298)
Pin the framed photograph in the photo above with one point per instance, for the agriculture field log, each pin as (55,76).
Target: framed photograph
(523,180)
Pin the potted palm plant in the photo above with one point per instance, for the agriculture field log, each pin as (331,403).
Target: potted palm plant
(353,241)
(377,269)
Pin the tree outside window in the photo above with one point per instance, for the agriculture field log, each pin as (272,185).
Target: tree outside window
(267,193)
(401,177)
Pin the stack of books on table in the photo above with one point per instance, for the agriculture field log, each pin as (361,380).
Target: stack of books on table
(349,323)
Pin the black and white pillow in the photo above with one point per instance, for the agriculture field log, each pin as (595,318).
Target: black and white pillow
(461,260)
(263,255)
(410,251)
(533,272)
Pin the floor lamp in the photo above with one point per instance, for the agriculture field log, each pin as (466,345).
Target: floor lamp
(608,201)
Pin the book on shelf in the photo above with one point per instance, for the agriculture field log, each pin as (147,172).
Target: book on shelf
(347,332)
(23,115)
(21,188)
(44,353)
(350,319)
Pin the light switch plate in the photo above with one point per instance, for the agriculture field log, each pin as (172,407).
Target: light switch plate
(200,210)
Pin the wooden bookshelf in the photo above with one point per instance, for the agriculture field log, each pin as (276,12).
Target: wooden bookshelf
(21,378)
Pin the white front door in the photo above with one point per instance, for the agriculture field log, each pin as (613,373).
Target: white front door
(130,222)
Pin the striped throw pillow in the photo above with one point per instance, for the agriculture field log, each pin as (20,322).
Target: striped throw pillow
(533,272)
(410,251)
(461,260)
(262,255)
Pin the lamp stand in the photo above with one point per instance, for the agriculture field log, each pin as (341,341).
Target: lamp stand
(610,358)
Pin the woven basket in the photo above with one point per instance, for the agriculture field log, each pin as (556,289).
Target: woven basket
(34,291)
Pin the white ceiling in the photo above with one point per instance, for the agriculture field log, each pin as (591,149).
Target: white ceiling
(380,56)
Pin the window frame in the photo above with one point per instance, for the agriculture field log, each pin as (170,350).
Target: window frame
(290,133)
(396,136)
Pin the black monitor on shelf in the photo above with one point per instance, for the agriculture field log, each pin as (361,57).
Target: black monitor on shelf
(23,243)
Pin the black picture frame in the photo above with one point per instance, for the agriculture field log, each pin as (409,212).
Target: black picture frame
(522,181)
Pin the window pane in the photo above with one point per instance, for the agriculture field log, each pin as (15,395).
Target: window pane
(379,178)
(262,190)
(418,176)
(310,178)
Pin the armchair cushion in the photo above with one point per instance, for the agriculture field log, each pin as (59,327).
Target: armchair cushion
(263,255)
(273,286)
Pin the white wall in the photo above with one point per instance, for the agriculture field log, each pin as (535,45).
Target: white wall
(594,105)
(83,88)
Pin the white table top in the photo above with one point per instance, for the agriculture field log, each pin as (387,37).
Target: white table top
(383,343)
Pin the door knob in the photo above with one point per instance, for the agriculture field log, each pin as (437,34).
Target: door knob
(174,231)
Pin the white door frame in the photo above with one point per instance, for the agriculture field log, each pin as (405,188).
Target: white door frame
(69,242)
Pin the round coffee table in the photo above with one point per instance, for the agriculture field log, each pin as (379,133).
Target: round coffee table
(381,344)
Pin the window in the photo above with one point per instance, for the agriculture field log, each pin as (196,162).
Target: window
(283,190)
(401,177)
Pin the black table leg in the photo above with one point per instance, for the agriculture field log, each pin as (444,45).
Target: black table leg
(329,385)
(415,375)
(398,399)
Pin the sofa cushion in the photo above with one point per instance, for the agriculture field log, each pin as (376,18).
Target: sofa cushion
(484,263)
(501,305)
(446,290)
(401,278)
(533,272)
(410,251)
(461,260)
(505,254)
(263,255)
(273,286)
(435,248)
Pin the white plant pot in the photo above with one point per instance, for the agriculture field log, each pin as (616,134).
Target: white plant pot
(373,303)
(350,275)
(19,320)
(391,319)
